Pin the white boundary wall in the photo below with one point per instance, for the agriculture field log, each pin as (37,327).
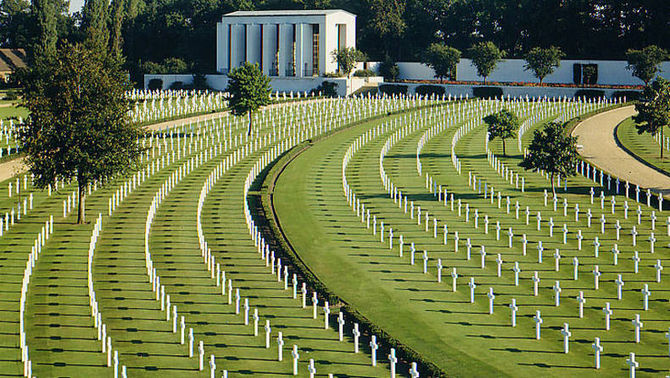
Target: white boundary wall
(610,72)
(281,84)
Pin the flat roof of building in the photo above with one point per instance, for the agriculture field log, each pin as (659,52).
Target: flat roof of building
(275,13)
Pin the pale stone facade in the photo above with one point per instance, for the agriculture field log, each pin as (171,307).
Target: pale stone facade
(284,43)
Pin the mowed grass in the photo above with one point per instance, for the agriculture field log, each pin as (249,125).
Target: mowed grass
(644,146)
(441,325)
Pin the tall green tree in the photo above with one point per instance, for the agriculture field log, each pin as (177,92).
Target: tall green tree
(645,63)
(78,126)
(485,57)
(346,59)
(249,89)
(553,152)
(17,25)
(654,109)
(46,15)
(503,124)
(442,59)
(116,19)
(95,20)
(543,62)
(388,23)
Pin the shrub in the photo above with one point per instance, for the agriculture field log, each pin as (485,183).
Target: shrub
(155,84)
(390,89)
(428,90)
(333,75)
(177,85)
(590,93)
(487,92)
(200,81)
(389,70)
(326,88)
(629,95)
(364,73)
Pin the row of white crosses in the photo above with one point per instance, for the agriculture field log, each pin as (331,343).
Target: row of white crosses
(491,296)
(176,105)
(8,132)
(209,260)
(33,257)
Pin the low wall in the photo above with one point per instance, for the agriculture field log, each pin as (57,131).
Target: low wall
(610,72)
(513,91)
(282,84)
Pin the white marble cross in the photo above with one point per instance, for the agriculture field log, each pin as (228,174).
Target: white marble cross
(516,271)
(296,357)
(201,354)
(581,300)
(619,283)
(357,335)
(315,304)
(491,297)
(557,259)
(472,286)
(632,364)
(499,263)
(326,313)
(540,248)
(646,293)
(596,277)
(538,322)
(597,348)
(607,310)
(482,252)
(596,246)
(637,323)
(557,293)
(575,268)
(311,369)
(514,309)
(413,371)
(536,282)
(280,346)
(652,240)
(373,349)
(566,338)
(658,268)
(454,276)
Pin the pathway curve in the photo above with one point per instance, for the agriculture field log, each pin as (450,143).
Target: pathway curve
(596,136)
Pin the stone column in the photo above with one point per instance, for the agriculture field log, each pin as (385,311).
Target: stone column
(267,54)
(282,43)
(299,49)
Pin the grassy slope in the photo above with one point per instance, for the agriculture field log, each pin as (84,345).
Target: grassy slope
(643,146)
(297,198)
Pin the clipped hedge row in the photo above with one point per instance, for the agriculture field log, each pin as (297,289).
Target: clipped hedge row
(393,89)
(590,93)
(430,90)
(487,92)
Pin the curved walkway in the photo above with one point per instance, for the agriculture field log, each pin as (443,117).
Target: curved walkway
(596,136)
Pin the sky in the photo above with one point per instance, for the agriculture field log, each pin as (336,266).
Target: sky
(75,5)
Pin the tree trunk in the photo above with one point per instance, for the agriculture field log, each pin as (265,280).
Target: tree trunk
(661,142)
(249,131)
(81,210)
(553,187)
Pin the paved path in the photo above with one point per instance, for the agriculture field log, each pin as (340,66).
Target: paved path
(596,135)
(11,168)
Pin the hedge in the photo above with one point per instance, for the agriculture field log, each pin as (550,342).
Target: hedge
(629,95)
(487,92)
(155,84)
(590,93)
(430,90)
(393,89)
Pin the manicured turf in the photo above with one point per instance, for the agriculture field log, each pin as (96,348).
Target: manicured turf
(642,145)
(454,333)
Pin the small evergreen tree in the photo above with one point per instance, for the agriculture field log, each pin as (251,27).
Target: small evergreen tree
(485,57)
(543,62)
(644,63)
(442,59)
(654,109)
(249,89)
(503,124)
(78,126)
(553,152)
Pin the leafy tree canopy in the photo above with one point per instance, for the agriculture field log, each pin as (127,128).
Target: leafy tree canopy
(654,109)
(442,59)
(485,57)
(249,89)
(503,124)
(644,63)
(543,62)
(553,152)
(78,126)
(346,59)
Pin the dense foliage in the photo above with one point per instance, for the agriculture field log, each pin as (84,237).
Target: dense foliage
(654,109)
(153,30)
(443,60)
(543,62)
(553,152)
(503,124)
(249,89)
(78,126)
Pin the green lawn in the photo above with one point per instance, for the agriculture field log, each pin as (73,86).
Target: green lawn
(642,146)
(454,333)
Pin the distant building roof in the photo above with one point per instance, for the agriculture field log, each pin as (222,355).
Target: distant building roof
(11,59)
(275,13)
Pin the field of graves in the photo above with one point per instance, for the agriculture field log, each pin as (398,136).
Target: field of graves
(359,237)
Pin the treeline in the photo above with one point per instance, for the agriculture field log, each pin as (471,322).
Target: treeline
(153,31)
